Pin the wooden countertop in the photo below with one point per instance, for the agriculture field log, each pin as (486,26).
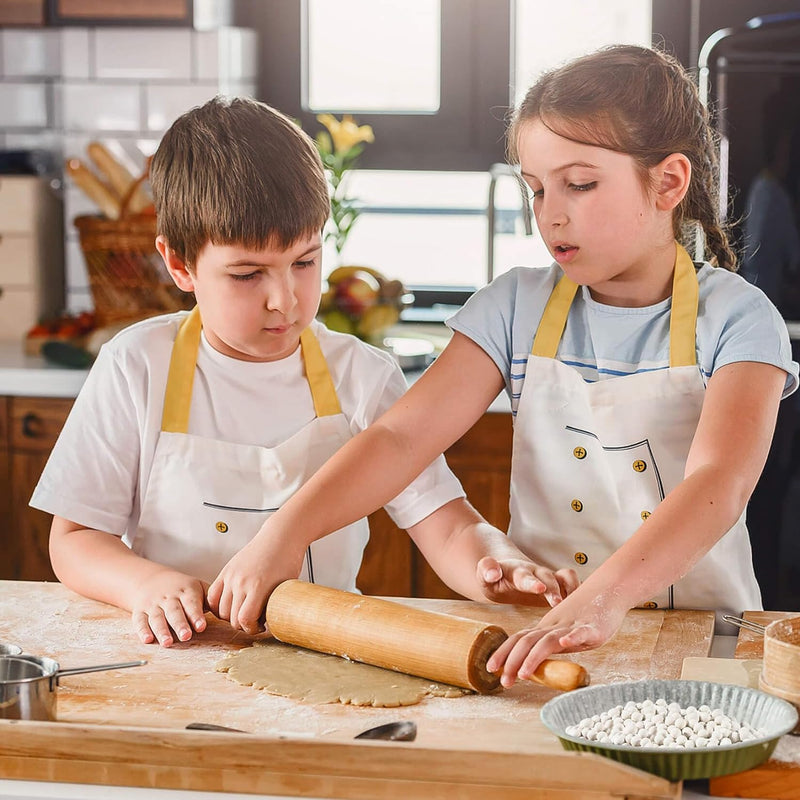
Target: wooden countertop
(127,727)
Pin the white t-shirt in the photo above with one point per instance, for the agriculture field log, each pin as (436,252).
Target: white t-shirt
(98,469)
(735,322)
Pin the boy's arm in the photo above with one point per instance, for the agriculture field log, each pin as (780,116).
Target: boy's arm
(728,452)
(480,562)
(99,565)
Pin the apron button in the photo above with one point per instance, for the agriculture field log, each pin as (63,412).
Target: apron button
(222,527)
(645,514)
(650,604)
(639,465)
(579,452)
(581,558)
(576,505)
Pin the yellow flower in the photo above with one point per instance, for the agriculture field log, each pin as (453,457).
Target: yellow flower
(345,134)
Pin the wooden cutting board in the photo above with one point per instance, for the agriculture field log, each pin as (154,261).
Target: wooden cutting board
(126,727)
(779,777)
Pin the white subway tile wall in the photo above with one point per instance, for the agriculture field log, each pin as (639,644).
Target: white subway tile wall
(24,105)
(119,54)
(61,88)
(30,53)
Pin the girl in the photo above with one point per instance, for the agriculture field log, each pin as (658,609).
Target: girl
(644,386)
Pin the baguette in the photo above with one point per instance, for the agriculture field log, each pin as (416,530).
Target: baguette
(119,177)
(95,189)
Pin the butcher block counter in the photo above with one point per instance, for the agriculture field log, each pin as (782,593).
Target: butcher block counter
(127,727)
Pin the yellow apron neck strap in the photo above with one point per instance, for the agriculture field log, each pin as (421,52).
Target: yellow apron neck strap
(682,324)
(180,379)
(554,319)
(326,403)
(683,315)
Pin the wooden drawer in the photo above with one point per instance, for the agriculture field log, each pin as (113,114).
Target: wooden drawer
(20,310)
(20,199)
(19,265)
(37,421)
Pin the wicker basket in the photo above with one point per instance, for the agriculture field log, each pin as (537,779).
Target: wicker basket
(128,279)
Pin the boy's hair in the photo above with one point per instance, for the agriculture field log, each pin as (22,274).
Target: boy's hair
(641,102)
(236,171)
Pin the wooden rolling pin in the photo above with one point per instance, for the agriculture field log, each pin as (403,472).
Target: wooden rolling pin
(394,636)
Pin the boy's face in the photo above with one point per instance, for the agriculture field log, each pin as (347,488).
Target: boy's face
(255,303)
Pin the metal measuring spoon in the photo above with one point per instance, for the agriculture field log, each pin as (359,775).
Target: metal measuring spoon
(391,731)
(405,731)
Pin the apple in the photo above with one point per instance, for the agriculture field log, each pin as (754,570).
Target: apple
(355,293)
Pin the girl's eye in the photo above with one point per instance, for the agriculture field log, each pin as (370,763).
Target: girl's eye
(583,187)
(537,193)
(247,277)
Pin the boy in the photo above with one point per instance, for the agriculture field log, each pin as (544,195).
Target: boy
(193,427)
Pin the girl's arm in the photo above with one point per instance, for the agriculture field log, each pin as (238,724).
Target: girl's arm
(726,458)
(361,477)
(99,565)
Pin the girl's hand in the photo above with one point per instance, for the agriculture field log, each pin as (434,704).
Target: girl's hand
(522,581)
(240,592)
(169,604)
(567,628)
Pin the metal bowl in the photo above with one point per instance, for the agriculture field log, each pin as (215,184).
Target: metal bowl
(771,714)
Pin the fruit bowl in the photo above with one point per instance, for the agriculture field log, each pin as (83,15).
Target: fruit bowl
(362,301)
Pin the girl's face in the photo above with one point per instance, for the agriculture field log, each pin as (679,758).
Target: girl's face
(597,219)
(256,303)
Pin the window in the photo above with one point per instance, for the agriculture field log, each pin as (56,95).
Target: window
(426,181)
(381,79)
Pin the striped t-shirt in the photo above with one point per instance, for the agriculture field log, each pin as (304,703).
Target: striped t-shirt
(735,322)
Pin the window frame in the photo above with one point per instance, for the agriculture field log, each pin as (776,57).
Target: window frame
(465,134)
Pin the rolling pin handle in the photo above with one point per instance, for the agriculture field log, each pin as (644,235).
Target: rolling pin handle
(559,674)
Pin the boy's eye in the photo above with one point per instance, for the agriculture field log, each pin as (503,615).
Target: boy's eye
(583,187)
(305,264)
(246,277)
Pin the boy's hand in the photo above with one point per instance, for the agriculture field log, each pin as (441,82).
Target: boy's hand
(240,592)
(520,580)
(567,628)
(169,604)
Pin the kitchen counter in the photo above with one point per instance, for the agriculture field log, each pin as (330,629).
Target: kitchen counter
(22,375)
(127,727)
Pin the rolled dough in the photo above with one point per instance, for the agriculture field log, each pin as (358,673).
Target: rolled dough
(313,677)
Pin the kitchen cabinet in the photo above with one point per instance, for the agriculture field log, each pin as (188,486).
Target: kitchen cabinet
(33,424)
(22,12)
(92,12)
(481,460)
(392,565)
(31,254)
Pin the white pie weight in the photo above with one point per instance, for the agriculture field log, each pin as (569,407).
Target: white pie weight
(664,724)
(676,729)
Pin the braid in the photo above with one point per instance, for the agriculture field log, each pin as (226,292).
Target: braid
(701,204)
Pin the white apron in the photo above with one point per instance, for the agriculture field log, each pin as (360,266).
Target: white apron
(592,460)
(206,499)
